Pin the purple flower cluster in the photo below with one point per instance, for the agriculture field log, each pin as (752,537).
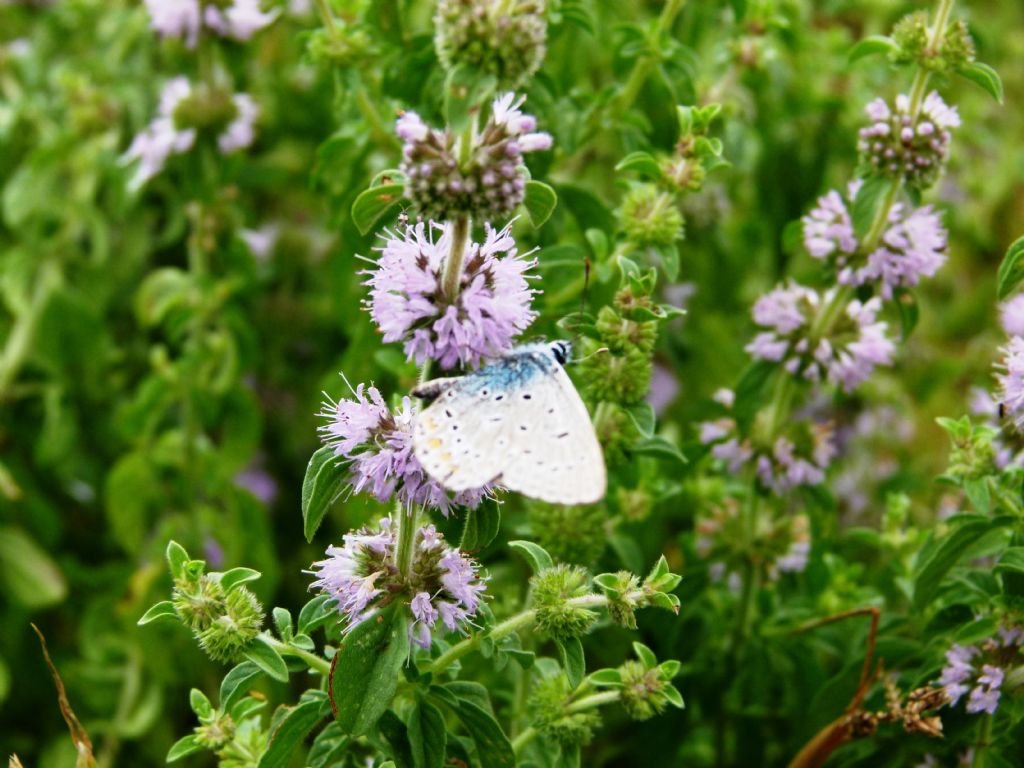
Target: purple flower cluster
(854,347)
(797,458)
(408,302)
(1011,315)
(1011,380)
(238,20)
(900,144)
(979,669)
(486,181)
(166,135)
(378,445)
(362,576)
(913,245)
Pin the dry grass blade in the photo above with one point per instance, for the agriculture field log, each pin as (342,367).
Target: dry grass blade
(83,746)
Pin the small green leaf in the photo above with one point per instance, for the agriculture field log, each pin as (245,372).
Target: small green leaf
(315,614)
(199,703)
(236,576)
(328,748)
(291,727)
(373,203)
(646,655)
(183,747)
(493,748)
(161,611)
(396,734)
(659,446)
(868,201)
(642,416)
(641,162)
(1011,561)
(946,555)
(28,575)
(984,76)
(427,736)
(574,661)
(236,684)
(465,89)
(366,669)
(979,493)
(326,476)
(1011,271)
(283,622)
(607,677)
(482,525)
(536,555)
(540,201)
(266,657)
(871,46)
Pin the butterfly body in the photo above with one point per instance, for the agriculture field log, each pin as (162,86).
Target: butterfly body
(518,422)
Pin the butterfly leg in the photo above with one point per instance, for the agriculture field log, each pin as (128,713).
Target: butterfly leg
(433,389)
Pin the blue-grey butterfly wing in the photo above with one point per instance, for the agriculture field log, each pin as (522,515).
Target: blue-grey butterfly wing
(518,422)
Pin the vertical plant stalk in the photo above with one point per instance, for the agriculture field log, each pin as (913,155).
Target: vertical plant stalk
(453,262)
(646,62)
(23,334)
(408,523)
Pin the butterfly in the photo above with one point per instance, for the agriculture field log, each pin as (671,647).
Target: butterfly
(517,422)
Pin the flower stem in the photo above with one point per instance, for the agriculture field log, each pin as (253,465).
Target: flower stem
(460,649)
(408,522)
(316,663)
(457,254)
(524,738)
(23,334)
(593,701)
(325,14)
(982,744)
(646,62)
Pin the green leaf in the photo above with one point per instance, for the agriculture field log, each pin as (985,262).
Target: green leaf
(161,611)
(1011,271)
(871,46)
(867,203)
(236,576)
(292,726)
(658,446)
(328,748)
(946,555)
(373,203)
(130,494)
(396,734)
(266,657)
(979,493)
(493,748)
(177,558)
(642,416)
(235,684)
(609,677)
(315,614)
(482,525)
(427,736)
(540,201)
(29,577)
(749,390)
(366,669)
(641,162)
(199,703)
(535,554)
(283,623)
(984,76)
(574,662)
(646,655)
(326,476)
(1011,561)
(183,747)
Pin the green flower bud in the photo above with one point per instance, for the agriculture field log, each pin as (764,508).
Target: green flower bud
(217,732)
(649,217)
(911,35)
(339,45)
(684,174)
(244,750)
(622,603)
(634,504)
(620,334)
(550,699)
(643,691)
(504,39)
(552,589)
(957,46)
(207,109)
(571,534)
(228,635)
(622,377)
(615,430)
(972,455)
(198,600)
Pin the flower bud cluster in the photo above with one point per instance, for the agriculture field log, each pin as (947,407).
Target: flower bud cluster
(912,39)
(377,443)
(442,588)
(552,590)
(650,218)
(571,533)
(622,374)
(645,685)
(906,146)
(223,621)
(235,736)
(503,39)
(551,698)
(485,180)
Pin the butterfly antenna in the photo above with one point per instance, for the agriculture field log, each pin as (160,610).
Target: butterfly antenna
(601,351)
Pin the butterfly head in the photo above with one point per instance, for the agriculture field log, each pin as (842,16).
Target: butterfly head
(562,350)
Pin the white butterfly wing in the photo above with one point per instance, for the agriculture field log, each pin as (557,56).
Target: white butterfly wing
(553,452)
(535,438)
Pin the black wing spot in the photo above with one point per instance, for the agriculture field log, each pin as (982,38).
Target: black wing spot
(455,427)
(523,427)
(484,392)
(527,397)
(499,397)
(564,434)
(447,413)
(450,393)
(551,411)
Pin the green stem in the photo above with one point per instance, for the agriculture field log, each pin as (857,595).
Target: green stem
(593,701)
(982,744)
(318,664)
(524,738)
(457,254)
(325,14)
(644,64)
(408,522)
(23,333)
(381,133)
(460,649)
